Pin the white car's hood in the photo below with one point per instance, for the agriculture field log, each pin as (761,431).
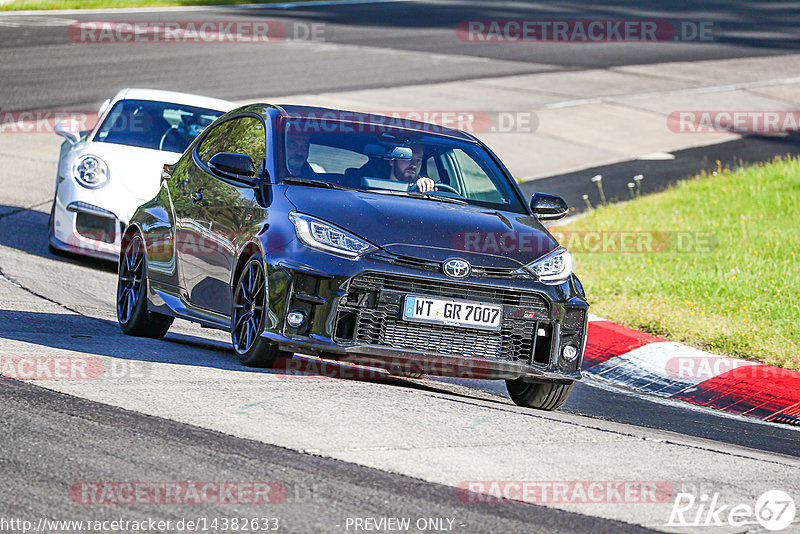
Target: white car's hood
(134,170)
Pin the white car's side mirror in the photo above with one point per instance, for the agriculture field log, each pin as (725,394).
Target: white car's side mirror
(71,137)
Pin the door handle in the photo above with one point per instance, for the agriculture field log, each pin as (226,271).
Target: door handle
(197,196)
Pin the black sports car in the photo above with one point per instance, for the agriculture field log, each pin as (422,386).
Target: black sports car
(390,243)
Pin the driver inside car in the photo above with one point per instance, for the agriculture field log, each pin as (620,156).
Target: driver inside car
(407,170)
(297,146)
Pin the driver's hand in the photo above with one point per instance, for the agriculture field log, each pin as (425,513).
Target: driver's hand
(425,184)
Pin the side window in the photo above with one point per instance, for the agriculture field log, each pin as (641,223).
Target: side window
(328,159)
(431,170)
(477,185)
(244,135)
(214,141)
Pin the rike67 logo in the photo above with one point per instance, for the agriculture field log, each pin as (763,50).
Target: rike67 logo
(774,510)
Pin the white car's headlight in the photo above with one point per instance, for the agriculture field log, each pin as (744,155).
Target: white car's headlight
(324,236)
(90,171)
(554,268)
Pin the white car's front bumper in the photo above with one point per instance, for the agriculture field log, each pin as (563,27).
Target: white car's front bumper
(90,221)
(82,228)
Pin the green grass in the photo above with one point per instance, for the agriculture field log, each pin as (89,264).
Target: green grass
(16,5)
(738,298)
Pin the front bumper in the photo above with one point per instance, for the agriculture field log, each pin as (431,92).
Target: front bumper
(82,228)
(90,222)
(415,363)
(57,244)
(355,315)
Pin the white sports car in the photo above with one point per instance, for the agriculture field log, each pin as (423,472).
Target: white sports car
(104,174)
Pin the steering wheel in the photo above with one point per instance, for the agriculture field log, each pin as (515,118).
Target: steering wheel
(164,137)
(438,186)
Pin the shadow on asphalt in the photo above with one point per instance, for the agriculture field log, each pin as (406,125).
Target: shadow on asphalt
(80,334)
(26,231)
(101,337)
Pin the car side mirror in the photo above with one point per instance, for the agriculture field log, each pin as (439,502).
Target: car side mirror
(71,137)
(236,166)
(548,207)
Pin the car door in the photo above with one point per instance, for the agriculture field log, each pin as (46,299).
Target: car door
(187,179)
(219,209)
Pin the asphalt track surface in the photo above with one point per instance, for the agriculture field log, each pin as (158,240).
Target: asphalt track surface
(52,439)
(99,442)
(379,45)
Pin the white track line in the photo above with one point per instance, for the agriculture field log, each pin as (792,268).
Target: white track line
(108,11)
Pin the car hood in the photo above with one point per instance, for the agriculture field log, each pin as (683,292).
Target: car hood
(132,170)
(428,229)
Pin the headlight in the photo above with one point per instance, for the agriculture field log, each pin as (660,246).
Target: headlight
(90,171)
(554,268)
(324,236)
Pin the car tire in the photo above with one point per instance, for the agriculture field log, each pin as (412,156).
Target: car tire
(539,395)
(250,305)
(132,313)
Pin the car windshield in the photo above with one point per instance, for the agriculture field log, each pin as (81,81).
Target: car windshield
(390,160)
(156,125)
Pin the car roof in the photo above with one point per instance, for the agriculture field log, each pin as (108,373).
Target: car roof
(397,121)
(188,99)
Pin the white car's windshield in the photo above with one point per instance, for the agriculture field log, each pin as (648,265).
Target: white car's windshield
(156,125)
(392,160)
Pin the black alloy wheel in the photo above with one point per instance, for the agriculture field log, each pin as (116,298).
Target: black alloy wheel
(132,313)
(247,320)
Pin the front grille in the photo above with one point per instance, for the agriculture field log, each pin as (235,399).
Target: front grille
(455,290)
(498,272)
(383,326)
(97,228)
(373,308)
(436,267)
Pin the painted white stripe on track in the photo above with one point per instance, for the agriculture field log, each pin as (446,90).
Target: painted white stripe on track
(166,9)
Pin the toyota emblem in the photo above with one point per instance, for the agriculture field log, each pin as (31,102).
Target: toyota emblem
(456,268)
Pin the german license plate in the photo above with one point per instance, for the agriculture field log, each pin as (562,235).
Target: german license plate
(452,312)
